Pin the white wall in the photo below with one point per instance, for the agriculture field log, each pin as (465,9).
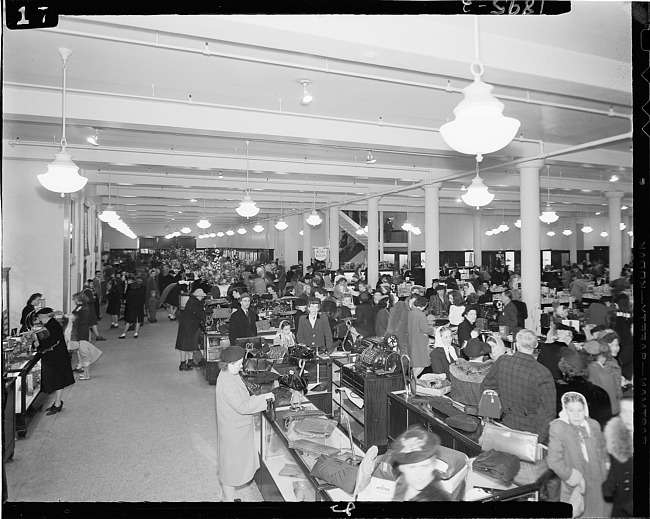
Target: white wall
(35,241)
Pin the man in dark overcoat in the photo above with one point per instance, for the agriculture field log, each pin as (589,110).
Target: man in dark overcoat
(243,320)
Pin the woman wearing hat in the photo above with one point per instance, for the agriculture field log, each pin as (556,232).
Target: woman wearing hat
(418,336)
(237,456)
(576,453)
(597,354)
(467,328)
(192,319)
(56,372)
(444,352)
(573,367)
(134,307)
(33,304)
(415,456)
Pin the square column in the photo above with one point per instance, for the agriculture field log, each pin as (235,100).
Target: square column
(477,237)
(306,243)
(431,233)
(531,276)
(615,242)
(373,241)
(334,237)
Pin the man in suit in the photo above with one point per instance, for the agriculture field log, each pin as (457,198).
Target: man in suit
(525,387)
(243,320)
(313,330)
(509,316)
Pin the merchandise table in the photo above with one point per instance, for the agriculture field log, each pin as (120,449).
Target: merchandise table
(26,369)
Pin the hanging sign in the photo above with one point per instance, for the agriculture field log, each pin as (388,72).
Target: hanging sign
(320,253)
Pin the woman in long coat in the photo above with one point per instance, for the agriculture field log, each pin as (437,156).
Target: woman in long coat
(56,372)
(191,321)
(576,453)
(134,307)
(619,440)
(114,294)
(418,337)
(237,456)
(397,324)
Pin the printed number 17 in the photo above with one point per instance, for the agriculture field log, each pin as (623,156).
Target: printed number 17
(25,21)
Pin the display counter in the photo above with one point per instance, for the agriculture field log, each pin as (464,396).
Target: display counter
(26,369)
(9,418)
(284,472)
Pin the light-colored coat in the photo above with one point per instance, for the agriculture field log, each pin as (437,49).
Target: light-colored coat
(237,455)
(418,338)
(565,459)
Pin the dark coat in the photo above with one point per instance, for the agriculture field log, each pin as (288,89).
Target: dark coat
(437,306)
(318,336)
(80,324)
(26,311)
(522,313)
(381,322)
(365,323)
(596,397)
(600,377)
(114,296)
(418,338)
(621,325)
(191,321)
(92,316)
(619,485)
(135,303)
(439,362)
(397,323)
(549,356)
(465,332)
(242,325)
(526,390)
(510,317)
(56,371)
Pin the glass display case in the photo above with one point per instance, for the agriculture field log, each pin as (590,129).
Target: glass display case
(25,366)
(284,472)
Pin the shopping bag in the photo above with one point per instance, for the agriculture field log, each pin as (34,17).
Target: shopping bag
(522,444)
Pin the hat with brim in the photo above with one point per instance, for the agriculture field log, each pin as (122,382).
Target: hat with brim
(199,293)
(415,445)
(301,301)
(595,347)
(232,354)
(45,311)
(573,358)
(477,348)
(244,296)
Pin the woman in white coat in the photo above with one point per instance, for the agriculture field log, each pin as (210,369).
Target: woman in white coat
(236,452)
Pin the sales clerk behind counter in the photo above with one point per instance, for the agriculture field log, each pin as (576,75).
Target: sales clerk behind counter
(314,330)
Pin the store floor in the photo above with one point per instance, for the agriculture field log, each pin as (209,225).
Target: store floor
(139,430)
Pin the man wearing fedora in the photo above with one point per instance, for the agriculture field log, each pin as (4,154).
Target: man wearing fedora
(192,320)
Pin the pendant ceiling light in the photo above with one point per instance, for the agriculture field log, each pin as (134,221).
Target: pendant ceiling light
(586,228)
(307,98)
(479,126)
(230,232)
(220,234)
(504,227)
(186,230)
(247,207)
(109,214)
(416,230)
(62,174)
(518,223)
(551,233)
(203,223)
(241,230)
(407,226)
(548,216)
(622,226)
(567,232)
(604,234)
(258,228)
(281,225)
(314,218)
(477,193)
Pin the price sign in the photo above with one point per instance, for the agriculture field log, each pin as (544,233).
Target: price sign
(30,14)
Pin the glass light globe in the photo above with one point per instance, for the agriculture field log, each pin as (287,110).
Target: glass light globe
(220,234)
(230,232)
(281,225)
(567,232)
(314,219)
(258,228)
(477,193)
(203,224)
(518,224)
(241,230)
(247,207)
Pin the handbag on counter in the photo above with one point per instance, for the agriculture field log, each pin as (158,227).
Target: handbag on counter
(282,396)
(253,388)
(277,353)
(497,465)
(257,364)
(522,444)
(490,405)
(293,381)
(301,352)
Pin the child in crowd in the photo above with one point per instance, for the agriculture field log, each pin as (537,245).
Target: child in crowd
(576,453)
(152,306)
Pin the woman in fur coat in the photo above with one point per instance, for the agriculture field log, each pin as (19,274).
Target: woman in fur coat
(576,453)
(619,443)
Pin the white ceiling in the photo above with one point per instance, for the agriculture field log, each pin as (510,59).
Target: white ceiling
(378,82)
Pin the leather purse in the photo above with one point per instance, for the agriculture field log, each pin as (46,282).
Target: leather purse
(522,444)
(282,396)
(301,352)
(490,405)
(257,364)
(293,381)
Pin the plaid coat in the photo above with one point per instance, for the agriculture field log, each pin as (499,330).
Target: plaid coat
(527,393)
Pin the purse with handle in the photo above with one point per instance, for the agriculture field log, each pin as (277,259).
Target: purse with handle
(490,405)
(522,444)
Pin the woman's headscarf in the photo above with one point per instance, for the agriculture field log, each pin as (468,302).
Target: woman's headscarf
(581,430)
(450,351)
